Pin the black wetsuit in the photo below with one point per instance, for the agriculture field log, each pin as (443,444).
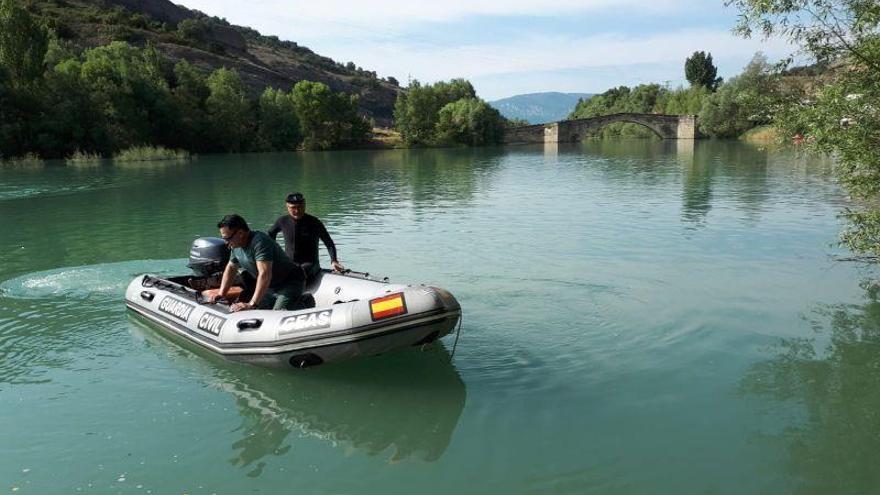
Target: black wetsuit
(301,240)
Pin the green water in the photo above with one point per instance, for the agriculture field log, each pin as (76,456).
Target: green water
(639,317)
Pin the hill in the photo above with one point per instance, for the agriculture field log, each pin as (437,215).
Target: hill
(210,43)
(538,108)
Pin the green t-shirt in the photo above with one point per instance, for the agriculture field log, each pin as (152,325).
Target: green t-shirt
(261,247)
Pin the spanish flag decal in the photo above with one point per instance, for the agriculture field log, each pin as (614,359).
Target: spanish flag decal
(387,306)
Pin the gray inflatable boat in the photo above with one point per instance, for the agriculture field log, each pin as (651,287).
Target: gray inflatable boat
(343,315)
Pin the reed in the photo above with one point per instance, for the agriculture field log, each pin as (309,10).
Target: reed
(27,160)
(82,157)
(150,153)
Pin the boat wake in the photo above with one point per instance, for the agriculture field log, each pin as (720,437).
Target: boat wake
(105,280)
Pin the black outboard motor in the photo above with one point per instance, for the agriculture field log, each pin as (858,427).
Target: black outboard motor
(208,256)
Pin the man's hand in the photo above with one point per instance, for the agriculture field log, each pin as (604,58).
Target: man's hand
(337,266)
(213,298)
(241,306)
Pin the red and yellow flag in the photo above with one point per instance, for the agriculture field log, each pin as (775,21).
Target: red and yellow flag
(387,306)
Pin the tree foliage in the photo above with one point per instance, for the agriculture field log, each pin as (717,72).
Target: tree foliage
(23,44)
(747,100)
(417,109)
(469,121)
(229,111)
(117,96)
(699,70)
(279,126)
(327,119)
(843,116)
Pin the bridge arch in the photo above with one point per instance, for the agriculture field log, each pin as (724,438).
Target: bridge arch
(665,126)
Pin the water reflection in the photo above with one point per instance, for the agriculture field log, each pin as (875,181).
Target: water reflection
(696,194)
(404,405)
(834,448)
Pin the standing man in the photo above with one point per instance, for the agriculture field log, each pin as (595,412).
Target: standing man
(301,234)
(267,270)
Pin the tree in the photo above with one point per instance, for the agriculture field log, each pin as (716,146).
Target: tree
(327,119)
(130,93)
(190,94)
(75,120)
(747,100)
(229,111)
(700,71)
(469,121)
(23,44)
(843,116)
(721,115)
(278,125)
(416,109)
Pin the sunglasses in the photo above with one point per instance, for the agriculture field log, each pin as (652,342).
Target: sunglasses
(229,237)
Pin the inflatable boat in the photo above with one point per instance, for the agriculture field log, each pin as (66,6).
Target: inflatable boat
(342,315)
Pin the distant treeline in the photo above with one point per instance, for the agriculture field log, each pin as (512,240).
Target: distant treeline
(446,113)
(55,102)
(724,109)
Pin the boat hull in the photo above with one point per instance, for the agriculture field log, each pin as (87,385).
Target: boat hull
(297,339)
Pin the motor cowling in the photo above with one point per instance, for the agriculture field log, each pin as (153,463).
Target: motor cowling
(208,256)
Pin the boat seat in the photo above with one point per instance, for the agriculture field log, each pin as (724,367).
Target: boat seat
(232,295)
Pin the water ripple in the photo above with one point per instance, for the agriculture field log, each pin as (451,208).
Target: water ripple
(103,280)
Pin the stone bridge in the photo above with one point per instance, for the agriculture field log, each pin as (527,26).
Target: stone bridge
(665,126)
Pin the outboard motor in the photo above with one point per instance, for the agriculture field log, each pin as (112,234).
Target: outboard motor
(208,256)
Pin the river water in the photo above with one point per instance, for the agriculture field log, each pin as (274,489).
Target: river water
(639,317)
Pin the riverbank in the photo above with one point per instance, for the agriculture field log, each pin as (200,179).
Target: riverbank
(380,138)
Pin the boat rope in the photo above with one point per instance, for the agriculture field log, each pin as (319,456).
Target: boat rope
(457,335)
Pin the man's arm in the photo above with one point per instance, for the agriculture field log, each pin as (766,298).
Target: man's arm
(274,229)
(264,278)
(331,246)
(226,281)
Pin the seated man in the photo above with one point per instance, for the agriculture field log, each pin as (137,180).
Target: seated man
(301,234)
(268,271)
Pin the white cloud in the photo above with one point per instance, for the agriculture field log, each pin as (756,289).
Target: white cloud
(546,53)
(393,38)
(328,18)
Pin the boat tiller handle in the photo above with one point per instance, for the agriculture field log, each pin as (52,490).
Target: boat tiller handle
(147,295)
(250,324)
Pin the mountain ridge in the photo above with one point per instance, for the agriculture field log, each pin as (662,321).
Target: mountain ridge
(539,108)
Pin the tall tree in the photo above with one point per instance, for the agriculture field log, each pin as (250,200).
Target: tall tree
(327,119)
(416,109)
(279,127)
(229,111)
(749,99)
(23,43)
(700,71)
(132,96)
(190,94)
(842,117)
(469,121)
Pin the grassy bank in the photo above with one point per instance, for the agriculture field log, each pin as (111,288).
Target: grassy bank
(28,159)
(383,138)
(764,134)
(150,154)
(83,158)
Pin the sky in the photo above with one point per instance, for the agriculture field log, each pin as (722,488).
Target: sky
(509,47)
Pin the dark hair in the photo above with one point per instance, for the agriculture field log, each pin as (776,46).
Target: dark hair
(295,198)
(234,221)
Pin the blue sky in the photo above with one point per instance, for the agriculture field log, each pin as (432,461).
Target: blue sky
(509,47)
